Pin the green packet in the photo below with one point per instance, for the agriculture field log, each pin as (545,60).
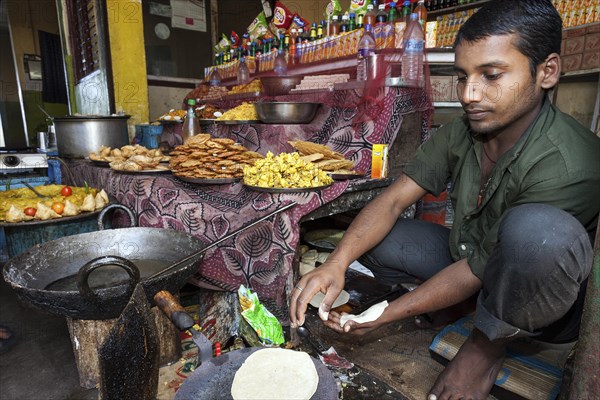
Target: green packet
(265,324)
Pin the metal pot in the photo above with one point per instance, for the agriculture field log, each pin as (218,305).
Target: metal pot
(77,136)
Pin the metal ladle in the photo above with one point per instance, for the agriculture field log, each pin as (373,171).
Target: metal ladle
(38,194)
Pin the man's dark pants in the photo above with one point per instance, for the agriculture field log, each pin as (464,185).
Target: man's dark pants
(534,279)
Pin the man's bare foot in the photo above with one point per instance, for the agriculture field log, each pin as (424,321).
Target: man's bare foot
(7,339)
(473,371)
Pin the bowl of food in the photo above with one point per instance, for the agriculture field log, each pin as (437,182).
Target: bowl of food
(286,112)
(279,85)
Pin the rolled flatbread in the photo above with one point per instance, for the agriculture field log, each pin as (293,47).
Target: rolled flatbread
(371,314)
(275,374)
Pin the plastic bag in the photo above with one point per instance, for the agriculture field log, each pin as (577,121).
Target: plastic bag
(265,324)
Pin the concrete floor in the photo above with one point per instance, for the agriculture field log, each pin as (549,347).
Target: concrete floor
(41,365)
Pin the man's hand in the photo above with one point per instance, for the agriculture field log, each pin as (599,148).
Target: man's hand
(328,279)
(350,326)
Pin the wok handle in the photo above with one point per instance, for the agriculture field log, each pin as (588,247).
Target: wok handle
(84,274)
(169,305)
(102,215)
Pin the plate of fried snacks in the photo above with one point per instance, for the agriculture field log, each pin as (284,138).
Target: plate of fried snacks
(131,158)
(173,116)
(243,112)
(203,159)
(59,201)
(287,172)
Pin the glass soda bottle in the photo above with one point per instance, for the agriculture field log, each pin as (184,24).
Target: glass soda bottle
(421,11)
(406,11)
(392,12)
(352,22)
(369,18)
(334,27)
(381,16)
(366,47)
(344,24)
(414,47)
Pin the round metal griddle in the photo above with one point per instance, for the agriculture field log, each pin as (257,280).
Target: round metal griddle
(213,379)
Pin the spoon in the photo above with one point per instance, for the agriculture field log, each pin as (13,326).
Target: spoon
(38,194)
(307,336)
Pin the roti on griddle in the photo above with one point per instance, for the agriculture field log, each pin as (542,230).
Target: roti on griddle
(275,374)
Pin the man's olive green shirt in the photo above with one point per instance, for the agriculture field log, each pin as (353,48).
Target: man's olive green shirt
(555,162)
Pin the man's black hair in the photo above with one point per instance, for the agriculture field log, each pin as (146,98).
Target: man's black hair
(536,23)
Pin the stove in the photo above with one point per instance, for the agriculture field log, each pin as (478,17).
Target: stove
(21,160)
(23,165)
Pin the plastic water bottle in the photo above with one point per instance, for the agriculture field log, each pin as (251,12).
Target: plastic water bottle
(280,64)
(366,47)
(214,78)
(243,73)
(412,57)
(191,126)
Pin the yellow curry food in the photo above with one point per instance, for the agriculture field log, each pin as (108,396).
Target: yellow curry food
(287,170)
(22,204)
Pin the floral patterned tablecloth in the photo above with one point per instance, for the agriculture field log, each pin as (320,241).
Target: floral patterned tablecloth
(261,257)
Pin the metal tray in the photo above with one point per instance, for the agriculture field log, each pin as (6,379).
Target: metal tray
(144,171)
(97,163)
(206,121)
(208,181)
(285,190)
(238,122)
(82,215)
(343,177)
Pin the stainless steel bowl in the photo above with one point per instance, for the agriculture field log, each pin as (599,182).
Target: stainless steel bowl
(286,112)
(279,85)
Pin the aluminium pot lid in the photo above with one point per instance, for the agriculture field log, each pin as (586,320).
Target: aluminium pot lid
(91,117)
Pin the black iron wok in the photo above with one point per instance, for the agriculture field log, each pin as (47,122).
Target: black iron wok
(31,272)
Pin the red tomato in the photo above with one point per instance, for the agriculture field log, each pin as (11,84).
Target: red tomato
(30,211)
(66,191)
(58,207)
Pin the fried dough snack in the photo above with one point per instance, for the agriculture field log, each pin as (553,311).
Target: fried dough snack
(130,158)
(204,157)
(323,157)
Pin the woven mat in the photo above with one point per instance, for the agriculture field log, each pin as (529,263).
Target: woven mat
(532,369)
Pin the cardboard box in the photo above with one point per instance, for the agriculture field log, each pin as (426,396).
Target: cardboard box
(591,60)
(592,42)
(442,88)
(379,161)
(571,62)
(574,45)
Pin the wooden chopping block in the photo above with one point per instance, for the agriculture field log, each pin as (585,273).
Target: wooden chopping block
(88,335)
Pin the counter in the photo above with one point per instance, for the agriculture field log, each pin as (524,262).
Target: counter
(262,257)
